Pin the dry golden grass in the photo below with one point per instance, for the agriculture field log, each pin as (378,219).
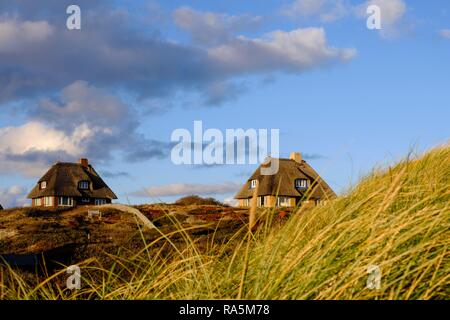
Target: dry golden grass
(397,219)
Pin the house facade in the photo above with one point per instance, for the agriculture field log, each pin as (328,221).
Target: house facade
(296,183)
(71,184)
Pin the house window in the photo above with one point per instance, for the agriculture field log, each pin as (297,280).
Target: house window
(301,183)
(85,200)
(38,202)
(283,202)
(253,184)
(99,202)
(65,201)
(48,201)
(84,185)
(261,201)
(43,184)
(246,202)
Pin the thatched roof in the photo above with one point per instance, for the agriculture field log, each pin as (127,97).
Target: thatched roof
(283,183)
(63,178)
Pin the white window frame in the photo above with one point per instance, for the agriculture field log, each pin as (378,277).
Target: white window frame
(253,184)
(100,201)
(246,202)
(302,183)
(68,204)
(48,201)
(43,184)
(38,202)
(83,185)
(283,201)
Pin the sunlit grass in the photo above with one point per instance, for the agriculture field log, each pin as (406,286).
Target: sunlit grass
(396,218)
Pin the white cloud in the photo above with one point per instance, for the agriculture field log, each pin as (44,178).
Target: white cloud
(183,189)
(26,149)
(14,196)
(35,136)
(293,51)
(16,35)
(445,33)
(210,28)
(392,12)
(325,10)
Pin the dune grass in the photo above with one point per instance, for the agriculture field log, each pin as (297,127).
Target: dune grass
(397,219)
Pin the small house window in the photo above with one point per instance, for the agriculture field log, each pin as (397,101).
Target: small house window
(83,185)
(283,202)
(65,201)
(301,183)
(48,201)
(85,200)
(253,184)
(261,201)
(43,184)
(99,202)
(38,202)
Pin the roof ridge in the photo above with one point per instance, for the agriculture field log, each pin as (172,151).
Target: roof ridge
(71,163)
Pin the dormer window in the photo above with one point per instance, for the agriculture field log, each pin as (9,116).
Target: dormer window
(83,185)
(301,183)
(43,184)
(253,184)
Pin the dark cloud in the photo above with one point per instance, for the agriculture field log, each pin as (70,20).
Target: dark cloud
(82,121)
(218,93)
(107,52)
(34,156)
(148,149)
(214,28)
(112,50)
(113,175)
(101,122)
(72,84)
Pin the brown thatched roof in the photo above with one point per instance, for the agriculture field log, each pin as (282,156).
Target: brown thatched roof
(63,178)
(283,183)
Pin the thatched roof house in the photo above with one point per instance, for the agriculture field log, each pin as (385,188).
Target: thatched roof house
(295,182)
(71,184)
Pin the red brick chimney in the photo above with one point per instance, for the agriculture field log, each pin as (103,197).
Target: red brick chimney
(84,162)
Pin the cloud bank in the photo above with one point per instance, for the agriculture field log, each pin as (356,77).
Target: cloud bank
(15,196)
(82,93)
(184,189)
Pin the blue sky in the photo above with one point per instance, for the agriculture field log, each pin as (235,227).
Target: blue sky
(348,97)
